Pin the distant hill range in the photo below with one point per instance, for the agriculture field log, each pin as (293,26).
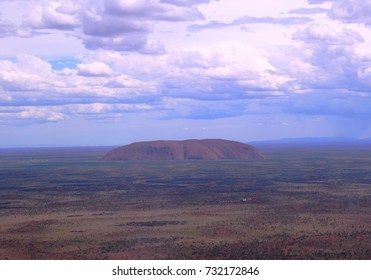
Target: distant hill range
(206,149)
(314,141)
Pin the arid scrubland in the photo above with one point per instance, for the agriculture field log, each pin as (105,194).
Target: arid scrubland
(297,203)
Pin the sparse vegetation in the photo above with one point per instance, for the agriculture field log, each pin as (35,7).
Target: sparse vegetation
(298,203)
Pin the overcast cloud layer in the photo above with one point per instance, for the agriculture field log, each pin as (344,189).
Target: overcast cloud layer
(109,72)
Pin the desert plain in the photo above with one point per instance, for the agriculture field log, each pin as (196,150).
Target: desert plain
(299,202)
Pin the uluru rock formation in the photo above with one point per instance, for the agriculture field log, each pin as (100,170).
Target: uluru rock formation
(207,149)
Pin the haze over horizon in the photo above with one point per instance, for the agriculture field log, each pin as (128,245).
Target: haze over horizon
(75,73)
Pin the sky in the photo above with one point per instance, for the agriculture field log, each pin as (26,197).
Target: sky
(112,72)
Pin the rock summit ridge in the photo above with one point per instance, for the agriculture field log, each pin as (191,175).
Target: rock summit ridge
(205,149)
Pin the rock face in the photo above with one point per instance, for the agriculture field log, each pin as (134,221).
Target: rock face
(207,149)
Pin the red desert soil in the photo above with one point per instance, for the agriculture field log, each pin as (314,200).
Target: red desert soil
(207,149)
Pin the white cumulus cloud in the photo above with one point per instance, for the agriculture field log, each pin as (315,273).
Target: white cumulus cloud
(94,69)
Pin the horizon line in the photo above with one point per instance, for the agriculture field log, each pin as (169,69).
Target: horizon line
(286,140)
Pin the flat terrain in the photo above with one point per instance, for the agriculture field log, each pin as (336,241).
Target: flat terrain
(303,202)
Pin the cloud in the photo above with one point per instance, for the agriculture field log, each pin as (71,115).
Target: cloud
(123,81)
(62,15)
(109,26)
(24,115)
(154,47)
(105,31)
(308,11)
(200,110)
(152,9)
(271,20)
(95,69)
(28,73)
(319,1)
(224,73)
(125,25)
(326,58)
(223,80)
(100,109)
(229,67)
(352,11)
(31,81)
(251,20)
(186,2)
(41,113)
(6,28)
(121,25)
(324,34)
(194,81)
(126,42)
(228,70)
